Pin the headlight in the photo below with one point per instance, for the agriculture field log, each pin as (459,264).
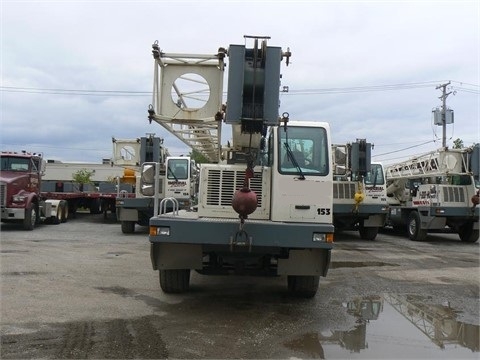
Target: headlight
(19,198)
(321,237)
(317,237)
(162,230)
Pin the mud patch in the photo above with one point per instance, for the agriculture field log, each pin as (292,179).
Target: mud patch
(13,251)
(357,264)
(23,273)
(128,293)
(116,253)
(116,339)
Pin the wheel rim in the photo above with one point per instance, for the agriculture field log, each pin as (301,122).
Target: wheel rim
(33,217)
(412,227)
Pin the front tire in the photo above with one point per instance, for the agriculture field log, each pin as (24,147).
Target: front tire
(303,286)
(128,227)
(30,219)
(174,281)
(368,233)
(467,233)
(415,233)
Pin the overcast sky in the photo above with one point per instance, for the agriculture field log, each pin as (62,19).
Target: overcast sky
(383,58)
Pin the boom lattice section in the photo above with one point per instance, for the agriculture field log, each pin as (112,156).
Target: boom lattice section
(187,98)
(435,163)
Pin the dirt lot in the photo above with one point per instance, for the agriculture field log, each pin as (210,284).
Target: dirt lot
(84,290)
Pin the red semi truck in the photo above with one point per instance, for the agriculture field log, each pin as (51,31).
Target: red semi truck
(22,200)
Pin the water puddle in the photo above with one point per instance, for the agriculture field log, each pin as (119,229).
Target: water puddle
(395,326)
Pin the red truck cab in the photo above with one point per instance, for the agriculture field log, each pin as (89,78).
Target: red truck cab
(20,180)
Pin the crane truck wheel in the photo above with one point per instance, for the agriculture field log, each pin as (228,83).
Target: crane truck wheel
(174,281)
(128,227)
(467,233)
(303,286)
(368,233)
(30,219)
(415,233)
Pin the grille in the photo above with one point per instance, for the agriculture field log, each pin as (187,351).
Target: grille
(453,194)
(343,190)
(222,185)
(3,194)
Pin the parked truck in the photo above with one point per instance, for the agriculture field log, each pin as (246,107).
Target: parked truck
(359,191)
(265,199)
(22,199)
(436,192)
(177,174)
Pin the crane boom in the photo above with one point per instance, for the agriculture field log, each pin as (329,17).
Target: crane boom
(187,98)
(438,162)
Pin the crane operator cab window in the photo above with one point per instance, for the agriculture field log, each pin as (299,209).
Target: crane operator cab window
(375,175)
(303,151)
(178,169)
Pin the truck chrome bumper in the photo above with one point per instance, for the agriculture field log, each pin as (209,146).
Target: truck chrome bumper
(13,214)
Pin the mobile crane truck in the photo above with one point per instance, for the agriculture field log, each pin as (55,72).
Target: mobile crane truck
(359,190)
(264,200)
(177,173)
(436,192)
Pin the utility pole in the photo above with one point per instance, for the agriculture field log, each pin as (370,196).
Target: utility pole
(444,111)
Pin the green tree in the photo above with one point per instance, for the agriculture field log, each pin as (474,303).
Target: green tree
(458,143)
(83,176)
(199,158)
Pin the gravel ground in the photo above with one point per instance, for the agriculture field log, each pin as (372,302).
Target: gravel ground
(85,290)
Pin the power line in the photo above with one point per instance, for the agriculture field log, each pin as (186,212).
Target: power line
(410,147)
(30,90)
(294,92)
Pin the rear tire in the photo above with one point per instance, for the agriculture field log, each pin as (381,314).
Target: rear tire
(174,281)
(65,212)
(415,233)
(59,215)
(95,207)
(467,233)
(128,227)
(303,286)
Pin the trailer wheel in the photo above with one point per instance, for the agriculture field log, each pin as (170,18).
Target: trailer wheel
(467,233)
(30,219)
(57,219)
(95,207)
(128,227)
(65,211)
(415,232)
(368,233)
(303,286)
(174,281)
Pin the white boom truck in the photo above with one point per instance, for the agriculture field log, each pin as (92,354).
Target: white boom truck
(265,200)
(178,175)
(359,190)
(436,192)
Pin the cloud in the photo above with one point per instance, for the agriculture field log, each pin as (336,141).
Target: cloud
(97,47)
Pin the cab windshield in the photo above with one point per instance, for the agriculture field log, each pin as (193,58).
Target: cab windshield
(177,169)
(14,164)
(303,151)
(375,175)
